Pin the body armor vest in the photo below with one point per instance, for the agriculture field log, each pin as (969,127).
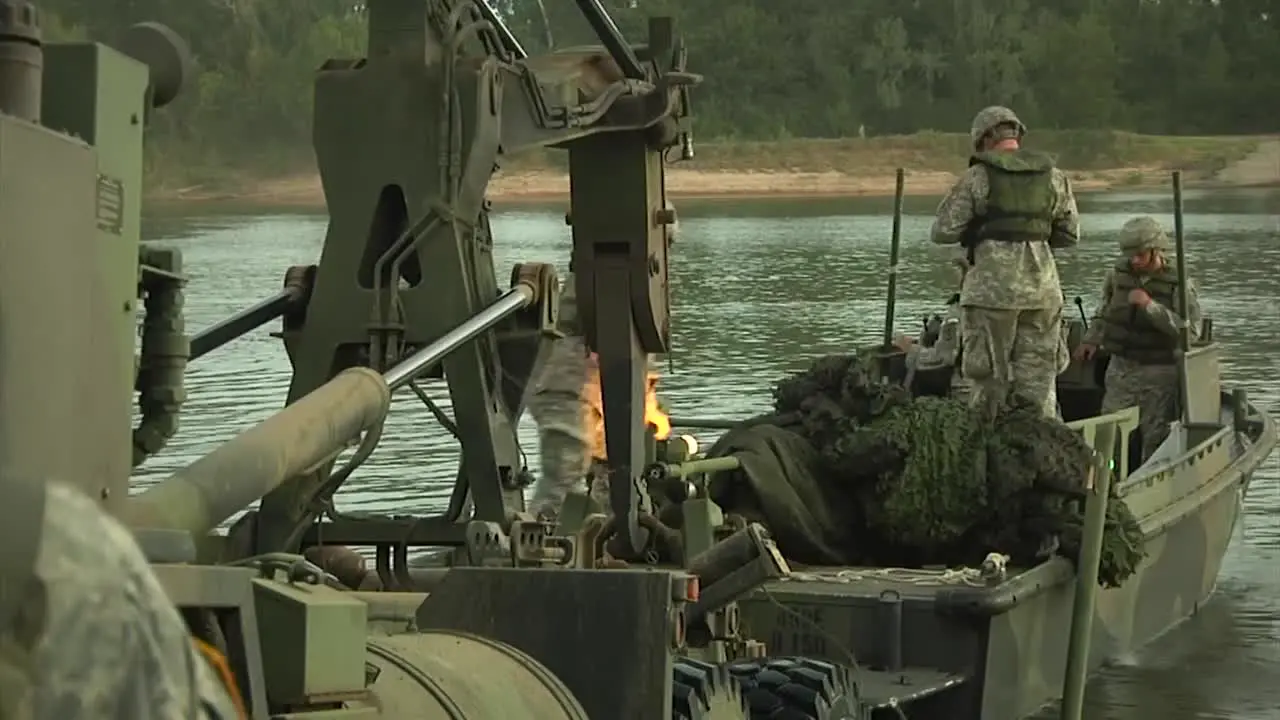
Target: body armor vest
(1020,198)
(1130,333)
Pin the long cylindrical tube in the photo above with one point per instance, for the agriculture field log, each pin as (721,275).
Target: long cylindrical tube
(612,39)
(21,62)
(499,26)
(1086,600)
(895,244)
(705,465)
(1184,331)
(727,424)
(511,301)
(251,318)
(1181,253)
(304,434)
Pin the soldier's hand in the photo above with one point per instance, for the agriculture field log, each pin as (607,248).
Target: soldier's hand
(1085,352)
(1139,297)
(903,342)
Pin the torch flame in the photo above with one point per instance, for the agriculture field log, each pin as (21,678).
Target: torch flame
(653,414)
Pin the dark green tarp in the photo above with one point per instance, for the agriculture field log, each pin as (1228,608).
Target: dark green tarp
(850,471)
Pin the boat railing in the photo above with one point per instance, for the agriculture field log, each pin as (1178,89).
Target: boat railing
(1202,384)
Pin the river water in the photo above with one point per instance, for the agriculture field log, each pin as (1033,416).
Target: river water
(758,287)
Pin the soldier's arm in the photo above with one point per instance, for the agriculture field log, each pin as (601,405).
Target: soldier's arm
(958,208)
(1098,323)
(1066,216)
(1167,320)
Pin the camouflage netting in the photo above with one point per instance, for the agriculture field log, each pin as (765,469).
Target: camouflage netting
(850,471)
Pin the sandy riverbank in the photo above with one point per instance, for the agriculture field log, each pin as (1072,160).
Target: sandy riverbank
(303,191)
(814,168)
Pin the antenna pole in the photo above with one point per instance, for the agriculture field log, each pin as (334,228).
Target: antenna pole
(1184,293)
(895,242)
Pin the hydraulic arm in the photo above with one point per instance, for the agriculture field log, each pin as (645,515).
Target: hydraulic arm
(407,139)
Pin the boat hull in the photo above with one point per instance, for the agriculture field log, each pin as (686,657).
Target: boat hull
(940,644)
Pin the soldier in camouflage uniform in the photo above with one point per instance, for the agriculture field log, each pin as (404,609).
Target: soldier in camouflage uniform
(86,630)
(1010,209)
(1137,321)
(563,415)
(568,409)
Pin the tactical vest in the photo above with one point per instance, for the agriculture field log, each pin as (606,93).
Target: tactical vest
(1020,199)
(1130,333)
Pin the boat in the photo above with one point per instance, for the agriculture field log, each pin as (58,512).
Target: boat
(944,644)
(948,643)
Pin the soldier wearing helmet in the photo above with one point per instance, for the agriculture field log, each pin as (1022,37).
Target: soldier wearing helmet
(1010,209)
(567,406)
(1138,321)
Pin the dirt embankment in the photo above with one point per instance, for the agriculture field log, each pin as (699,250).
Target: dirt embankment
(844,167)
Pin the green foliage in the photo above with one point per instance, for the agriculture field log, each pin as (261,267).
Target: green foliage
(936,482)
(775,70)
(249,105)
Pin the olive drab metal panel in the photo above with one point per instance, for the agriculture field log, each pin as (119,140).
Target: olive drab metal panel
(65,413)
(107,114)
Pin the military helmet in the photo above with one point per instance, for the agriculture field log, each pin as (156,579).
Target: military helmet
(989,118)
(1142,233)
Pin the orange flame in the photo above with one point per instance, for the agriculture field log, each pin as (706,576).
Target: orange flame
(653,414)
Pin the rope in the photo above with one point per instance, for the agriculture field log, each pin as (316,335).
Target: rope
(972,577)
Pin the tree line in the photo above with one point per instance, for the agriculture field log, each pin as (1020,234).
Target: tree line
(775,70)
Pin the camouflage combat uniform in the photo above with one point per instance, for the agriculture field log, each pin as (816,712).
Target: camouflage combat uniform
(569,411)
(1143,341)
(1010,208)
(563,412)
(93,634)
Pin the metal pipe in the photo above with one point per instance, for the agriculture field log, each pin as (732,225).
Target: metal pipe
(895,243)
(612,39)
(1179,246)
(301,436)
(1184,328)
(304,434)
(21,63)
(891,627)
(706,465)
(249,319)
(504,33)
(705,423)
(511,302)
(1086,597)
(728,424)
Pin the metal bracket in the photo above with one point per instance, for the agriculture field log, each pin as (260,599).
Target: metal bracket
(531,543)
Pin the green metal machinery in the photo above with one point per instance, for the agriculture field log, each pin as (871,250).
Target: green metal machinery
(520,619)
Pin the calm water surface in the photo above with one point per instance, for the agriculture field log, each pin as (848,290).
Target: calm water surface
(758,288)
